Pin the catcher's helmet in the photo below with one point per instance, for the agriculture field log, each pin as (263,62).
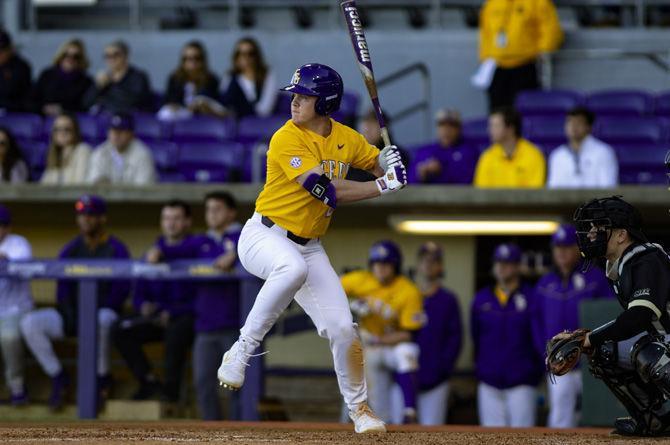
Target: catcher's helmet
(315,79)
(386,251)
(605,214)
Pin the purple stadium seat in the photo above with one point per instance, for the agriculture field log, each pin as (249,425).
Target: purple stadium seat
(35,155)
(24,126)
(546,131)
(475,131)
(620,103)
(642,163)
(283,105)
(210,162)
(202,129)
(89,128)
(252,129)
(165,154)
(547,102)
(625,130)
(349,105)
(662,104)
(170,176)
(148,128)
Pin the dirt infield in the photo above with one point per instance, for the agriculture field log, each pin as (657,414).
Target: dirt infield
(292,433)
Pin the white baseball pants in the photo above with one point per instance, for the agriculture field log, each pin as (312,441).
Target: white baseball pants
(12,350)
(304,273)
(563,396)
(513,407)
(41,326)
(380,364)
(431,407)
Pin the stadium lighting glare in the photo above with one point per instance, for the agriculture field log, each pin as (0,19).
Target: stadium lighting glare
(436,226)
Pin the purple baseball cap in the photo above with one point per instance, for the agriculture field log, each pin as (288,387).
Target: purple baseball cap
(5,216)
(431,249)
(90,205)
(566,235)
(508,253)
(122,121)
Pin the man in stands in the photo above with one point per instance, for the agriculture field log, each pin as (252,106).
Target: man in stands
(449,160)
(121,88)
(122,158)
(15,73)
(164,313)
(511,161)
(584,162)
(41,326)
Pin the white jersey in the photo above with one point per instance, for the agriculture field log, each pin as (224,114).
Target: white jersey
(595,165)
(15,295)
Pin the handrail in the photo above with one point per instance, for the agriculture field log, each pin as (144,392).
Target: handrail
(424,104)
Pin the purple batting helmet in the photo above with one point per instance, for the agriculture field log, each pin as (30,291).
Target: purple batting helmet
(315,79)
(386,251)
(507,253)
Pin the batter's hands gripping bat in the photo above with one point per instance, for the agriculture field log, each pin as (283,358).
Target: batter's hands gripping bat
(362,52)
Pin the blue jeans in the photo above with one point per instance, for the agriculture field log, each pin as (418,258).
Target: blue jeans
(207,353)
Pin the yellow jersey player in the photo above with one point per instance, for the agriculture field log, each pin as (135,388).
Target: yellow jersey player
(307,161)
(390,310)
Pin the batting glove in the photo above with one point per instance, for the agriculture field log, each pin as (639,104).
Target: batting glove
(393,180)
(390,155)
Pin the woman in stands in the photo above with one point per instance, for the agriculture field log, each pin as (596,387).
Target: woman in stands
(61,87)
(13,168)
(250,89)
(68,155)
(192,88)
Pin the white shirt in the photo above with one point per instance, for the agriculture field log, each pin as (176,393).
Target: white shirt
(15,295)
(595,165)
(135,166)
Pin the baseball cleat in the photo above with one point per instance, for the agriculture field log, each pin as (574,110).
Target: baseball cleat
(365,421)
(235,362)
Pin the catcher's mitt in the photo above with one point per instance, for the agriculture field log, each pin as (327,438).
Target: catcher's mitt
(564,350)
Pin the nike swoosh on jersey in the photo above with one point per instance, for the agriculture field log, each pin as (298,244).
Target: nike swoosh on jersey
(339,147)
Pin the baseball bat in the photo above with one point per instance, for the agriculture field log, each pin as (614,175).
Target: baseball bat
(362,51)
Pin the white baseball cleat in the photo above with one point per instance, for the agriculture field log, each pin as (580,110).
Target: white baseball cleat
(365,421)
(235,362)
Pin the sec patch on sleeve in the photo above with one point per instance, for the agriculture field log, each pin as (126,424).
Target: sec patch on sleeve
(296,162)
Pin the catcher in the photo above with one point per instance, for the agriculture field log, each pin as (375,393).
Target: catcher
(630,354)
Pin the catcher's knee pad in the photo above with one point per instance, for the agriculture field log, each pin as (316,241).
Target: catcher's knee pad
(406,357)
(651,359)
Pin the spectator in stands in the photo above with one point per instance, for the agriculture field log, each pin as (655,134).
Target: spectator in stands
(42,326)
(122,158)
(13,168)
(501,328)
(584,162)
(192,88)
(164,313)
(439,339)
(558,295)
(512,35)
(216,304)
(511,161)
(121,88)
(61,87)
(15,300)
(68,156)
(450,160)
(250,88)
(16,76)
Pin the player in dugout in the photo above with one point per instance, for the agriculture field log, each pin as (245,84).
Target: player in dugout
(307,162)
(389,309)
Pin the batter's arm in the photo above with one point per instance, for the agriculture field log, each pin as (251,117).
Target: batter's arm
(346,191)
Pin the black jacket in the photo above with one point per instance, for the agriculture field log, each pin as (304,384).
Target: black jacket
(175,90)
(65,89)
(15,82)
(131,93)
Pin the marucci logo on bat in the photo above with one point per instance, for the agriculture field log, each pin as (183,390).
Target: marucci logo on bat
(363,51)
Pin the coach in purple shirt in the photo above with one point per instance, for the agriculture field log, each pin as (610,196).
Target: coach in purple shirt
(559,294)
(502,333)
(449,160)
(164,313)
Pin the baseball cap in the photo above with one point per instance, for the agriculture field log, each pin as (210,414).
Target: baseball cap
(566,235)
(5,39)
(90,205)
(508,253)
(431,249)
(122,121)
(5,216)
(448,116)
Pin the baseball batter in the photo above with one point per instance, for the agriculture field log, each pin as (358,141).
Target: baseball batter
(307,160)
(390,311)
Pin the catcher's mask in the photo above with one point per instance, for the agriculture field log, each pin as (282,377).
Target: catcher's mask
(596,219)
